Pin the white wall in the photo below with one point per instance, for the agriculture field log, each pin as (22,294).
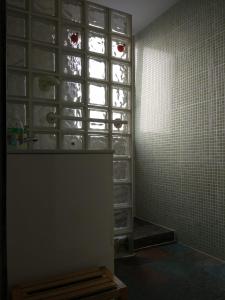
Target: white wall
(60,215)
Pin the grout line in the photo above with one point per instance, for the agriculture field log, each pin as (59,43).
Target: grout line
(202,252)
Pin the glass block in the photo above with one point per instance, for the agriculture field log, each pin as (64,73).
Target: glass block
(72,91)
(72,10)
(16,84)
(97,68)
(67,37)
(45,142)
(72,112)
(72,65)
(122,194)
(46,7)
(121,49)
(98,142)
(72,142)
(120,97)
(121,170)
(40,115)
(98,114)
(97,94)
(49,93)
(121,73)
(71,124)
(17,3)
(16,115)
(96,42)
(43,59)
(122,219)
(16,26)
(96,16)
(121,246)
(120,23)
(16,55)
(123,116)
(98,126)
(43,31)
(121,145)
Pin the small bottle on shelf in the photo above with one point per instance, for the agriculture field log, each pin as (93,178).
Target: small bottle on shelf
(15,134)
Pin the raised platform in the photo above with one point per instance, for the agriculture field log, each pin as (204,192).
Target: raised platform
(148,234)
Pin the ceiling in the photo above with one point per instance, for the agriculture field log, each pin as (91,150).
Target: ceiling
(143,11)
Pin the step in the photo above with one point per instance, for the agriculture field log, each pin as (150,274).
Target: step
(148,234)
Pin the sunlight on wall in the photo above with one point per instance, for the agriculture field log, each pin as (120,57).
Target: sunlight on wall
(155,91)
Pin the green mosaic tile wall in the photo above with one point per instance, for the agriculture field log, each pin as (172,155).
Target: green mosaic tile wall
(180,123)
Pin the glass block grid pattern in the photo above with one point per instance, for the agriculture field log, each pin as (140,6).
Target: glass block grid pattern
(180,123)
(70,83)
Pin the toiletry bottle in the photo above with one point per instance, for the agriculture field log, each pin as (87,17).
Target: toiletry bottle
(15,133)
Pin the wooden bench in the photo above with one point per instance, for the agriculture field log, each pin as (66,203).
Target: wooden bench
(92,284)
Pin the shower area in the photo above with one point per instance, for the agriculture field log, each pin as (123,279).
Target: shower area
(70,88)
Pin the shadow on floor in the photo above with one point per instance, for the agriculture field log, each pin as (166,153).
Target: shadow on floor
(172,272)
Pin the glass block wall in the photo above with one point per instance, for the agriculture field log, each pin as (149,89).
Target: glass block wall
(69,85)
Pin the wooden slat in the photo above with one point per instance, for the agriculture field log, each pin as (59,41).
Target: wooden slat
(82,274)
(105,295)
(92,284)
(123,289)
(64,281)
(80,294)
(81,288)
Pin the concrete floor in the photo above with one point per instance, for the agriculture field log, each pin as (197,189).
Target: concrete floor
(172,272)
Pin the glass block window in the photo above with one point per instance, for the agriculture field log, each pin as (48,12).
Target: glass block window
(72,10)
(72,112)
(72,65)
(73,142)
(121,73)
(96,16)
(17,25)
(97,68)
(96,42)
(69,82)
(43,59)
(98,126)
(122,219)
(40,116)
(72,37)
(43,31)
(98,114)
(121,48)
(16,115)
(17,84)
(124,118)
(71,124)
(71,91)
(16,54)
(120,23)
(97,94)
(121,145)
(45,141)
(121,97)
(98,142)
(121,170)
(17,3)
(46,7)
(39,92)
(122,194)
